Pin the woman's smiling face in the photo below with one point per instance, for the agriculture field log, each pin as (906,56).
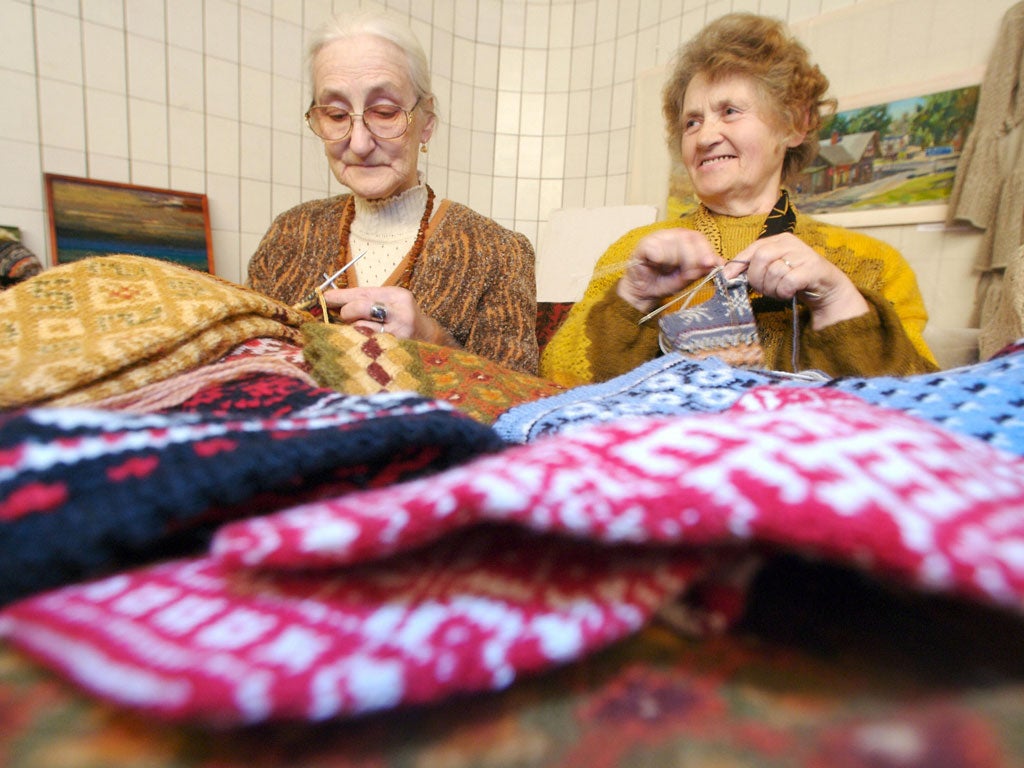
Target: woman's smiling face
(360,72)
(732,145)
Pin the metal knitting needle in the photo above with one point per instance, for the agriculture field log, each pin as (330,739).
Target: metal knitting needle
(685,295)
(311,299)
(330,280)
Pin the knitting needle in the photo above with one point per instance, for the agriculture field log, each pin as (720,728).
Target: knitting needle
(311,299)
(814,295)
(685,295)
(330,280)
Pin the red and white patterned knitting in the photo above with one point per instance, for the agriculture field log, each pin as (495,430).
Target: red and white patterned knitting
(531,558)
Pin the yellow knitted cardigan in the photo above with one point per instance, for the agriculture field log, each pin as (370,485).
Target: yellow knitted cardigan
(601,338)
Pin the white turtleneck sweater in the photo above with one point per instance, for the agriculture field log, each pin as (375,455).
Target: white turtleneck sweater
(386,230)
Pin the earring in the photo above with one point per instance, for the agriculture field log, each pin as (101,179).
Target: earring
(423,148)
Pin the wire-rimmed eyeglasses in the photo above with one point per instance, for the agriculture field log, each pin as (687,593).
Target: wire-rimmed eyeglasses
(385,121)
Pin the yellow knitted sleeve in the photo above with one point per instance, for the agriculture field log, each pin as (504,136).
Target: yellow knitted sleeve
(873,265)
(565,358)
(901,289)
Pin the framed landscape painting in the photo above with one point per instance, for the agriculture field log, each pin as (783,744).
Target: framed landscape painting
(890,161)
(94,218)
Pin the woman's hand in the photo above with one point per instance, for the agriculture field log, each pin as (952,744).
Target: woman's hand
(662,264)
(386,309)
(783,266)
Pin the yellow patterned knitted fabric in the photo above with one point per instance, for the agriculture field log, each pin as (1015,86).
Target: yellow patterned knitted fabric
(343,358)
(580,354)
(105,325)
(357,362)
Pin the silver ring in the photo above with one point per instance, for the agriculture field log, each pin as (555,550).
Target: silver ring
(379,313)
(786,262)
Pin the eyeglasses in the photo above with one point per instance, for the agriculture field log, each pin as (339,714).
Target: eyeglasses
(385,121)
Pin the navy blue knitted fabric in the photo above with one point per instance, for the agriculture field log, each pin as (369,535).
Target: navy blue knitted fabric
(85,491)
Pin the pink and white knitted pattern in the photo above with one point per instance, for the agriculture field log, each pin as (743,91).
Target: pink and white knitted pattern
(812,469)
(194,640)
(530,558)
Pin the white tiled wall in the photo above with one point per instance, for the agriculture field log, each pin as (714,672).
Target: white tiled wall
(536,98)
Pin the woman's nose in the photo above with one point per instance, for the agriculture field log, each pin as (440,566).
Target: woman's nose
(708,133)
(360,140)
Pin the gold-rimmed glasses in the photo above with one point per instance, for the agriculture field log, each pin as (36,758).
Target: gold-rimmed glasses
(384,121)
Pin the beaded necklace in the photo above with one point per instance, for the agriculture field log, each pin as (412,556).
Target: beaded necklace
(348,215)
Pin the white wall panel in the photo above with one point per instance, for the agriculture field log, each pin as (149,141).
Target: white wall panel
(537,98)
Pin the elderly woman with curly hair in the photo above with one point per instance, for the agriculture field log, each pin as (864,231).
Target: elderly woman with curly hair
(743,107)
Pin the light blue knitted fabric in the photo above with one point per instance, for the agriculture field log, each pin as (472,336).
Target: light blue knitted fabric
(984,400)
(667,385)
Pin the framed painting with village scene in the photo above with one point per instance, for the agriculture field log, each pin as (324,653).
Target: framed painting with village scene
(887,162)
(89,217)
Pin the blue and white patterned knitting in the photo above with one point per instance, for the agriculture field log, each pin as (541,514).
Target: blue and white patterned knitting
(670,385)
(722,327)
(984,400)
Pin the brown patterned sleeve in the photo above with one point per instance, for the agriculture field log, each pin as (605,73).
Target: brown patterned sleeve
(300,245)
(477,279)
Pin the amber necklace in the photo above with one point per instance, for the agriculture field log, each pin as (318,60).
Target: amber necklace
(348,215)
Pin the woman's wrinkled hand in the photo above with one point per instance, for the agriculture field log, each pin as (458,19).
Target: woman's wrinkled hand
(662,264)
(783,266)
(386,309)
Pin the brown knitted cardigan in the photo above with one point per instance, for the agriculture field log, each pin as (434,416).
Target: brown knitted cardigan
(474,277)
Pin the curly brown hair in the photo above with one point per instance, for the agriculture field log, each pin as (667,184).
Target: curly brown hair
(762,49)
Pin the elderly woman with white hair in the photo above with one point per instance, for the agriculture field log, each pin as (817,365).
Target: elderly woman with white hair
(417,267)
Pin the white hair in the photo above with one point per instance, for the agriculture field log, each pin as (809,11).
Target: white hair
(347,25)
